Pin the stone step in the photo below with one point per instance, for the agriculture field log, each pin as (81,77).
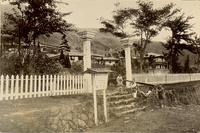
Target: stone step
(129,111)
(121,108)
(112,93)
(121,102)
(118,97)
(116,93)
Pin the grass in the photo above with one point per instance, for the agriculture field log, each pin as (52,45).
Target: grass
(174,120)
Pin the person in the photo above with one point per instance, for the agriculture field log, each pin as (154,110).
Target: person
(119,80)
(145,94)
(161,96)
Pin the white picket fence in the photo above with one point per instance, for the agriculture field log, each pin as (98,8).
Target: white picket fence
(166,78)
(18,87)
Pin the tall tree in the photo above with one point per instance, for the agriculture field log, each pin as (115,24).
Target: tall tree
(144,21)
(181,39)
(33,18)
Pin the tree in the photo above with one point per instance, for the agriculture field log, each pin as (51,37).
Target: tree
(181,39)
(64,60)
(187,64)
(196,43)
(32,19)
(145,22)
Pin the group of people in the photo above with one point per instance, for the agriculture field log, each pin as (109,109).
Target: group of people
(159,90)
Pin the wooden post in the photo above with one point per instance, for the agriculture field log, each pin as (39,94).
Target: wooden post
(61,85)
(95,107)
(51,85)
(43,85)
(70,84)
(39,86)
(1,87)
(35,86)
(17,87)
(12,88)
(105,105)
(26,87)
(64,84)
(58,85)
(67,87)
(7,87)
(54,86)
(31,87)
(47,85)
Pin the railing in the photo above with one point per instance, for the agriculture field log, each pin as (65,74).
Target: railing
(18,87)
(166,78)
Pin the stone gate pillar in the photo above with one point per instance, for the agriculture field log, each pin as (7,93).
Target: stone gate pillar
(87,36)
(127,48)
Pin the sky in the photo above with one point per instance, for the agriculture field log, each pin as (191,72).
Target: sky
(87,13)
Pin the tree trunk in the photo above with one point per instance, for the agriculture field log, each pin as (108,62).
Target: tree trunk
(141,62)
(19,41)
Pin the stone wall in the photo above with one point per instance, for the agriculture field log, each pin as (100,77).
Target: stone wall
(76,118)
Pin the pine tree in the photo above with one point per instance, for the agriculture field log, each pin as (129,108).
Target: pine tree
(181,39)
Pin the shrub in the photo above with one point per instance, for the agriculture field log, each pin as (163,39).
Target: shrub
(11,63)
(77,67)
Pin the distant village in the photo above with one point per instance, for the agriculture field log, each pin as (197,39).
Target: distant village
(158,65)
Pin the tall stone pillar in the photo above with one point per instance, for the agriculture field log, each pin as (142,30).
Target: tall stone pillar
(87,36)
(127,47)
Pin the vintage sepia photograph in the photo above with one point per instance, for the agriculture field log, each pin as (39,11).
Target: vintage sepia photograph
(100,66)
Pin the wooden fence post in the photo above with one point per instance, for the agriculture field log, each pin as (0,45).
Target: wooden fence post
(61,85)
(43,85)
(21,86)
(64,84)
(67,89)
(70,84)
(47,85)
(58,85)
(54,85)
(17,87)
(51,85)
(7,88)
(35,86)
(1,87)
(39,86)
(12,87)
(26,86)
(31,87)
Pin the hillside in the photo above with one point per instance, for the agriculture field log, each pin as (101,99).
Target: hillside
(101,43)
